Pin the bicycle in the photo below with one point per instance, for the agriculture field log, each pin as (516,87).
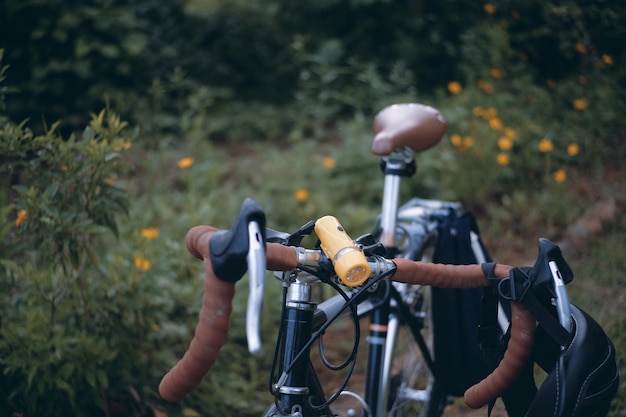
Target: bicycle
(383,276)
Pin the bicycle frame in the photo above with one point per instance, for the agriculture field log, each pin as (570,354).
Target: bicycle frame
(300,393)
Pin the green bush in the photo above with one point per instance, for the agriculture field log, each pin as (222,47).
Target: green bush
(81,318)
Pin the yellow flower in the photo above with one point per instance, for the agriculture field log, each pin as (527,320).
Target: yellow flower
(580,103)
(22,215)
(468,142)
(503,159)
(559,175)
(495,73)
(329,162)
(454,87)
(505,143)
(142,263)
(478,111)
(301,195)
(150,233)
(573,149)
(185,163)
(490,113)
(545,145)
(489,8)
(124,145)
(607,59)
(509,133)
(485,86)
(580,48)
(456,140)
(495,123)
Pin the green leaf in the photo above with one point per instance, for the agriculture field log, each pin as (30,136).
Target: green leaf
(102,378)
(90,376)
(51,190)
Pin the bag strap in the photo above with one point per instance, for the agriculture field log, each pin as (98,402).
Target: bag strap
(517,287)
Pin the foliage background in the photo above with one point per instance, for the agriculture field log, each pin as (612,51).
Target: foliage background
(124,123)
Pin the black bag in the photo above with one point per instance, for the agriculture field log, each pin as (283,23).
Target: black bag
(456,312)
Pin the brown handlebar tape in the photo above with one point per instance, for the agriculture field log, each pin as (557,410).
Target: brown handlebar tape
(444,275)
(212,327)
(522,322)
(515,358)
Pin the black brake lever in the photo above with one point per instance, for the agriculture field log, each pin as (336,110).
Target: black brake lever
(229,248)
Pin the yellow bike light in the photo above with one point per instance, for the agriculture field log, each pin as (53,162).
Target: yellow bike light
(349,262)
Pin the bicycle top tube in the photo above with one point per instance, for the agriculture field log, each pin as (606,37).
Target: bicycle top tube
(411,125)
(210,333)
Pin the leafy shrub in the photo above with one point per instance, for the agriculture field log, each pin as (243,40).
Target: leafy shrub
(79,317)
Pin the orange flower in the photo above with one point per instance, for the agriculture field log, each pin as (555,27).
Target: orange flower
(503,159)
(329,162)
(559,175)
(580,103)
(495,73)
(545,145)
(490,113)
(489,8)
(581,48)
(125,145)
(301,195)
(141,263)
(505,143)
(573,149)
(185,163)
(478,111)
(150,233)
(495,123)
(510,133)
(607,59)
(22,215)
(456,140)
(468,141)
(454,87)
(485,86)
(551,84)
